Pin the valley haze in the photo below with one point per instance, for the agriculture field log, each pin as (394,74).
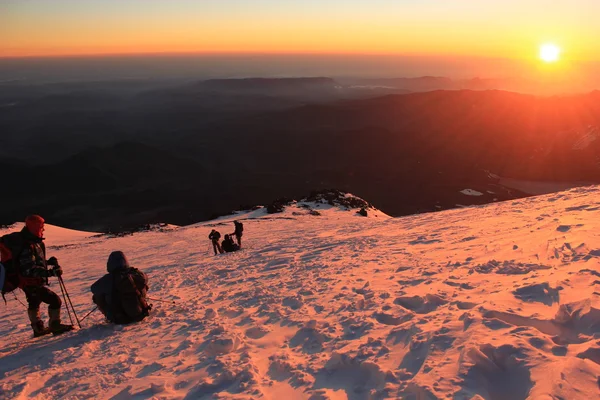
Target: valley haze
(120,153)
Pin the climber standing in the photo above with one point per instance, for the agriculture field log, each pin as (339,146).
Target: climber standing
(214,236)
(239,230)
(23,255)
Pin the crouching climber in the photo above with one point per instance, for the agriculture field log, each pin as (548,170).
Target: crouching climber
(229,245)
(121,294)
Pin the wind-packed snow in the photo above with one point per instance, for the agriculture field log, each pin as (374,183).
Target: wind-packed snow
(491,302)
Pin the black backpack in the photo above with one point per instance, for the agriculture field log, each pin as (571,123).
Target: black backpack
(129,296)
(239,227)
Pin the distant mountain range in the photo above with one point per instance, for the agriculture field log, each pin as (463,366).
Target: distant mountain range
(179,154)
(294,87)
(430,83)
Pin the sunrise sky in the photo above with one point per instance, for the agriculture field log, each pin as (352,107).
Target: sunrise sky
(504,29)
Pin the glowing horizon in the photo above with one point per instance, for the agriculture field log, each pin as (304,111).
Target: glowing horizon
(550,53)
(38,28)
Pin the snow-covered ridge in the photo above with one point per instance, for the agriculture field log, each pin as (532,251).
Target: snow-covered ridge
(314,204)
(586,138)
(491,302)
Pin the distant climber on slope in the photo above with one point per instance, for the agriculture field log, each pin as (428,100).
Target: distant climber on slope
(23,255)
(121,294)
(229,245)
(239,229)
(214,236)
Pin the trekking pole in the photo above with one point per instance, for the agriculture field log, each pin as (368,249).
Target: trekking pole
(19,300)
(88,314)
(168,302)
(60,279)
(65,301)
(162,301)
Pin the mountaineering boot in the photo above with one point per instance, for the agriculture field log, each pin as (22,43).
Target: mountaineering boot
(54,324)
(37,324)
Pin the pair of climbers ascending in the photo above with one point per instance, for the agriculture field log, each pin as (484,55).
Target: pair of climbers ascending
(120,295)
(228,245)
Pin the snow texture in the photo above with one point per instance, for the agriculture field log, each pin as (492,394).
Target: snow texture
(471,192)
(490,302)
(587,138)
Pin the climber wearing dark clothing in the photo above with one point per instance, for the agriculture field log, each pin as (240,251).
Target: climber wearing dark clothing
(214,236)
(24,253)
(239,230)
(121,294)
(229,245)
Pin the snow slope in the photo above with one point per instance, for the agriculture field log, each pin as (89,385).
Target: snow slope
(491,302)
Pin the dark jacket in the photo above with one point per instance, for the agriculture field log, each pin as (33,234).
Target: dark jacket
(239,228)
(26,253)
(229,245)
(121,294)
(214,235)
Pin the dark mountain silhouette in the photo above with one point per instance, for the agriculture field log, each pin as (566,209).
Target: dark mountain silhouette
(101,187)
(511,134)
(424,83)
(126,164)
(431,83)
(403,153)
(273,86)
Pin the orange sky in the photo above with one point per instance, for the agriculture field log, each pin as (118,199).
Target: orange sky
(431,27)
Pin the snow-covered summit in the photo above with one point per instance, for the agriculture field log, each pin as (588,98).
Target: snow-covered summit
(489,302)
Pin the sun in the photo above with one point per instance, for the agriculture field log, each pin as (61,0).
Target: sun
(549,53)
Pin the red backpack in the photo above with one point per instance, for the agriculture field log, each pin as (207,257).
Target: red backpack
(11,246)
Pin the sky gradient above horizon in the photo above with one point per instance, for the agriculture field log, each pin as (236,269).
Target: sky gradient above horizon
(475,28)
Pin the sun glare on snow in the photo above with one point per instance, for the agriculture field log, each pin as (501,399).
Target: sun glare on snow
(549,53)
